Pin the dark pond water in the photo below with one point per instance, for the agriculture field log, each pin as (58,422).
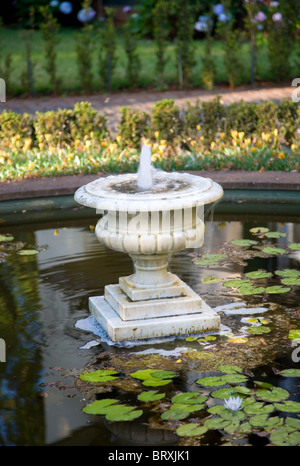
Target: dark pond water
(43,296)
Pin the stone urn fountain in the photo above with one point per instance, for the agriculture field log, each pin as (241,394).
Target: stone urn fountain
(150,216)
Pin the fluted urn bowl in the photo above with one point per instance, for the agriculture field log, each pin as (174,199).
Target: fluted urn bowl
(150,225)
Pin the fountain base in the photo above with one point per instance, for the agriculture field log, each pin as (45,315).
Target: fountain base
(124,319)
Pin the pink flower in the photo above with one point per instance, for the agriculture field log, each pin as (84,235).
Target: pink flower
(260,16)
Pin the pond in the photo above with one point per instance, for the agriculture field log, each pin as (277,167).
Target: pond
(172,386)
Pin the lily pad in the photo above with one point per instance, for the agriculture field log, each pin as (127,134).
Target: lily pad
(273,251)
(98,376)
(210,259)
(99,406)
(275,394)
(294,334)
(189,398)
(259,408)
(290,373)
(288,273)
(295,246)
(180,411)
(258,330)
(120,413)
(288,406)
(275,234)
(277,289)
(225,393)
(211,279)
(154,378)
(257,274)
(233,415)
(27,252)
(251,290)
(216,423)
(291,281)
(6,238)
(230,369)
(263,420)
(236,283)
(243,242)
(214,381)
(191,430)
(150,395)
(256,230)
(282,438)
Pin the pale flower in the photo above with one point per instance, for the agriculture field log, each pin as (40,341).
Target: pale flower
(66,8)
(277,17)
(234,404)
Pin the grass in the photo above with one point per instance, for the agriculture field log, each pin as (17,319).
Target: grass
(67,63)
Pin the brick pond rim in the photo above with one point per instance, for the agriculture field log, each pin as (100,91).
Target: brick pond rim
(270,193)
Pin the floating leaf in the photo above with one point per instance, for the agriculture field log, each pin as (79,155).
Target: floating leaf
(216,423)
(191,430)
(210,259)
(123,413)
(225,393)
(291,281)
(295,246)
(150,395)
(258,274)
(263,420)
(189,398)
(277,289)
(214,381)
(238,340)
(27,252)
(259,230)
(294,334)
(288,406)
(275,234)
(273,251)
(282,438)
(211,279)
(251,290)
(229,369)
(99,406)
(258,330)
(98,376)
(289,273)
(163,374)
(259,408)
(178,412)
(233,415)
(273,395)
(207,338)
(293,423)
(6,238)
(290,372)
(153,382)
(243,242)
(142,374)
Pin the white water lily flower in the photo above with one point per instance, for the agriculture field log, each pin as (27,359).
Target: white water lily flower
(234,404)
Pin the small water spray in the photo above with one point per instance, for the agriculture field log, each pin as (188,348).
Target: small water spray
(144,176)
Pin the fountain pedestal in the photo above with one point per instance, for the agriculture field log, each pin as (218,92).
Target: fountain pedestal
(151,225)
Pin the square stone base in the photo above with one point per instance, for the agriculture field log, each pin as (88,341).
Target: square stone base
(119,330)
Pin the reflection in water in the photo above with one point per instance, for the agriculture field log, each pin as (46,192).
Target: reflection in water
(43,296)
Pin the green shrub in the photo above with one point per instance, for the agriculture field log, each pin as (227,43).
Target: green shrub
(165,120)
(267,116)
(133,126)
(212,121)
(86,122)
(289,119)
(53,128)
(241,116)
(15,128)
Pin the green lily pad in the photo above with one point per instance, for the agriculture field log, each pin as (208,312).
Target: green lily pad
(189,398)
(210,259)
(191,430)
(207,338)
(288,406)
(258,274)
(293,423)
(163,374)
(153,382)
(295,246)
(27,252)
(216,423)
(232,427)
(251,290)
(230,369)
(243,242)
(180,411)
(288,273)
(259,230)
(275,394)
(225,393)
(150,395)
(277,289)
(98,376)
(291,281)
(99,406)
(211,279)
(263,420)
(233,415)
(214,381)
(273,251)
(6,238)
(290,373)
(294,334)
(258,330)
(217,409)
(275,234)
(120,413)
(282,438)
(259,408)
